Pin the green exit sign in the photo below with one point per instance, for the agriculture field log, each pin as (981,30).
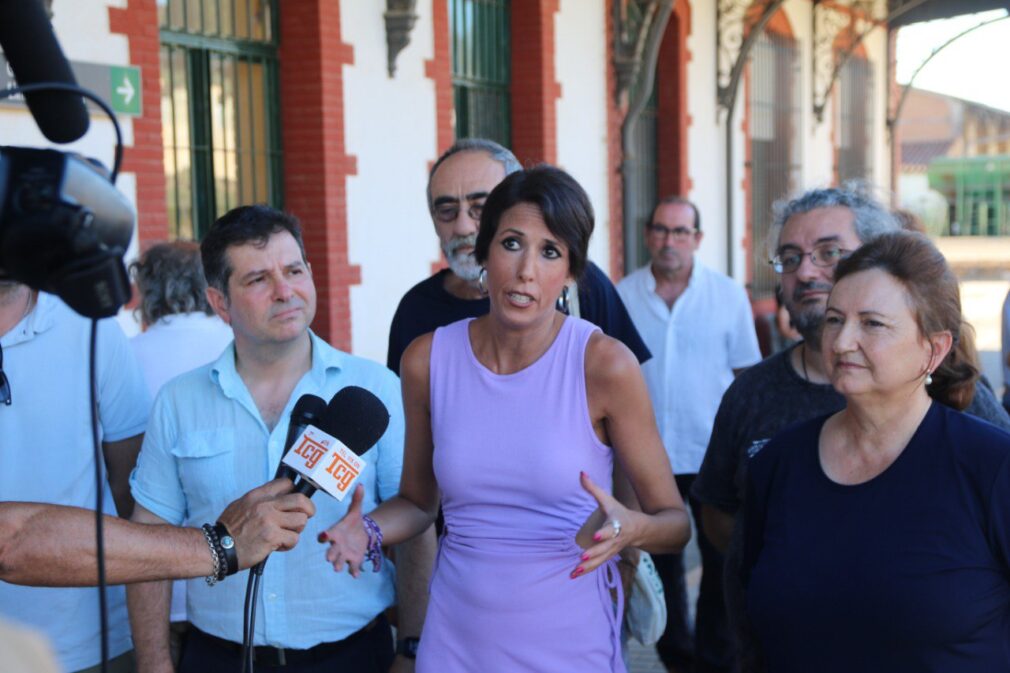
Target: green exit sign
(118,85)
(124,89)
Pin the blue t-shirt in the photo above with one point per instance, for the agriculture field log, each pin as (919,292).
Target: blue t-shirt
(906,572)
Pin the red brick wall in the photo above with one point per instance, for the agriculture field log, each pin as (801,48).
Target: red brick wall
(534,90)
(138,21)
(439,70)
(671,92)
(316,163)
(615,154)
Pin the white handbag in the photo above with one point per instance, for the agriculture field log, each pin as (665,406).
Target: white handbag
(646,614)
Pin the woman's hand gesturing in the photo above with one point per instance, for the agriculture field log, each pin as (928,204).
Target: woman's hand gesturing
(347,538)
(612,536)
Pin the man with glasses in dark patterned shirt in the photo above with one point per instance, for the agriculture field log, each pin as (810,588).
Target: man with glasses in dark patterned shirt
(809,235)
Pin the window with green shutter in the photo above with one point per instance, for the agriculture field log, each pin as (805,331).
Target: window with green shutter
(855,121)
(774,166)
(221,132)
(480,68)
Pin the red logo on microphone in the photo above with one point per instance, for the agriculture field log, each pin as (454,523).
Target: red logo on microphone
(310,450)
(343,472)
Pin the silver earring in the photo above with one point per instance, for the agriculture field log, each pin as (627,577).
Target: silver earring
(564,301)
(929,379)
(482,280)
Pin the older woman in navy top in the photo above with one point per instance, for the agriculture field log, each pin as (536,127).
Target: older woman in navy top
(878,538)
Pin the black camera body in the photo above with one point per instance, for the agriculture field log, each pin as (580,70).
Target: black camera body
(64,229)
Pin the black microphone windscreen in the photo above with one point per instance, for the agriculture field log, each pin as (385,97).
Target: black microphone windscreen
(356,417)
(308,406)
(34,55)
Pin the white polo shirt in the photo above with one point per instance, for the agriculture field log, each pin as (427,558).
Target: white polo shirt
(695,348)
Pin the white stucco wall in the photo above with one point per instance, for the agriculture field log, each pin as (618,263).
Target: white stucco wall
(390,128)
(580,66)
(706,145)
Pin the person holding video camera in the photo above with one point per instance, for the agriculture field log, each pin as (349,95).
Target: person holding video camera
(47,457)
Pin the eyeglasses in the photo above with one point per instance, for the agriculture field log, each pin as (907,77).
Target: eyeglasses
(678,233)
(823,255)
(448,212)
(5,384)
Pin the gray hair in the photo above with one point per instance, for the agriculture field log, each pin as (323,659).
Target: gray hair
(170,280)
(497,152)
(870,218)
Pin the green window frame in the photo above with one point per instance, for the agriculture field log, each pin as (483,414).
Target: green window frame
(643,188)
(481,77)
(220,119)
(775,145)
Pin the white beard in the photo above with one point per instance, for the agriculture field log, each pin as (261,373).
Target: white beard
(462,264)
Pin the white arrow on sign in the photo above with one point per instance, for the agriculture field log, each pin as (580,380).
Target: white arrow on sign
(126,90)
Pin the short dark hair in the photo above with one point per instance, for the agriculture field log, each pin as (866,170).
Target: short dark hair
(563,203)
(245,224)
(497,152)
(674,199)
(913,260)
(170,280)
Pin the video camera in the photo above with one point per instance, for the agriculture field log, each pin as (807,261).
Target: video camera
(64,227)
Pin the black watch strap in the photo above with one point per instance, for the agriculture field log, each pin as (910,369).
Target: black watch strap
(408,647)
(227,543)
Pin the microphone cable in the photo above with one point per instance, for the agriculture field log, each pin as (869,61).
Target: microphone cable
(103,612)
(103,608)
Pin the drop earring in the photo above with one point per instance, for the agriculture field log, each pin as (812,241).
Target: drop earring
(482,280)
(564,301)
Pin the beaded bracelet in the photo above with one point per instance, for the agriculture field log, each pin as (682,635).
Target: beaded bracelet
(374,543)
(217,553)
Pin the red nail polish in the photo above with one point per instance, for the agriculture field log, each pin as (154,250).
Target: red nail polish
(322,537)
(585,557)
(597,537)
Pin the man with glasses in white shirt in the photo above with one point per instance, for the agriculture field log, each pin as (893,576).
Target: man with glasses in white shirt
(698,324)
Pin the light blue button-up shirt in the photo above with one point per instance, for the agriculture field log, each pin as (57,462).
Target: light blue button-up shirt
(46,456)
(207,445)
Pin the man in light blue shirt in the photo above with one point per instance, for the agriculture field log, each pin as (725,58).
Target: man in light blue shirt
(219,430)
(46,452)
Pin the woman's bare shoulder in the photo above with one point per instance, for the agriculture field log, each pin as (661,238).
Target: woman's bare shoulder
(609,361)
(416,358)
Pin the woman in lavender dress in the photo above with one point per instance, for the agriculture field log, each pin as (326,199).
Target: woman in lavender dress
(515,419)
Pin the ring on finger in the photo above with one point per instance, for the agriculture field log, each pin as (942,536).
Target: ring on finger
(616,525)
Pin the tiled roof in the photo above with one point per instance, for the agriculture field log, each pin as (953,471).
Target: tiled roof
(917,156)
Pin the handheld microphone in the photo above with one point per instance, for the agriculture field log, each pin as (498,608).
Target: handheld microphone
(327,456)
(28,42)
(308,410)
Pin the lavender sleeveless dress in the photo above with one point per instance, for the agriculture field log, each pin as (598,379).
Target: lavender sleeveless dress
(508,451)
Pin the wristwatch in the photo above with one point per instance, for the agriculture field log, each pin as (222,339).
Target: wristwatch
(408,647)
